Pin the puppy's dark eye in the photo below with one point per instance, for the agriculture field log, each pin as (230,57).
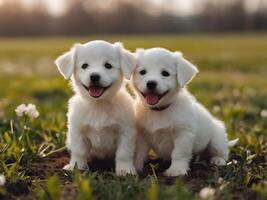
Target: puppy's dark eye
(165,73)
(142,72)
(108,65)
(84,66)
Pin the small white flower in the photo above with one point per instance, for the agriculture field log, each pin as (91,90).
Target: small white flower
(20,110)
(264,113)
(220,180)
(2,180)
(206,193)
(216,108)
(31,111)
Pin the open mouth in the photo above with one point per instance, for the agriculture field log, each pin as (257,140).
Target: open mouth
(96,90)
(152,98)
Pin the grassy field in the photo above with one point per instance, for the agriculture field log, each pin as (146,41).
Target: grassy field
(232,84)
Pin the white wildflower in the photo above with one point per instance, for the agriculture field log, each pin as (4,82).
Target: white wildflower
(31,111)
(220,180)
(20,110)
(2,180)
(206,193)
(264,113)
(216,108)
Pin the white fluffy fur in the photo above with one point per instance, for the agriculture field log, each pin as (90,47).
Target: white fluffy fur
(182,129)
(99,127)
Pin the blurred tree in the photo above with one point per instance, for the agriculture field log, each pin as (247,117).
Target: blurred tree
(15,20)
(125,16)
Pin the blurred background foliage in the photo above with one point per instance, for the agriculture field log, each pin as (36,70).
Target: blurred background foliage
(79,17)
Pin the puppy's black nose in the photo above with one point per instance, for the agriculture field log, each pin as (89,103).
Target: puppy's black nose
(94,78)
(151,85)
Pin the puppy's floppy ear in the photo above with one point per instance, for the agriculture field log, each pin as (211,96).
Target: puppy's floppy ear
(65,63)
(186,71)
(128,61)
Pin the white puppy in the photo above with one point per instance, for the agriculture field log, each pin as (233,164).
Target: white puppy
(101,115)
(169,119)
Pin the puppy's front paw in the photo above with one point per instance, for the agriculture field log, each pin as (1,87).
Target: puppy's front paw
(218,161)
(177,169)
(124,169)
(70,167)
(175,172)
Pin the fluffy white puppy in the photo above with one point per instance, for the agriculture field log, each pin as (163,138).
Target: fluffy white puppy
(101,115)
(169,119)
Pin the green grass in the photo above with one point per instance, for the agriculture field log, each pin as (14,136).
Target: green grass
(231,84)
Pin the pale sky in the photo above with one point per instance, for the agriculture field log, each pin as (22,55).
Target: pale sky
(182,7)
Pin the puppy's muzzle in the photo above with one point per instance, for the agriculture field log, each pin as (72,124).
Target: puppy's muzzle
(95,89)
(152,96)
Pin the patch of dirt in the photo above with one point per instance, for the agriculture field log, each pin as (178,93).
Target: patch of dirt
(40,169)
(19,187)
(53,164)
(47,166)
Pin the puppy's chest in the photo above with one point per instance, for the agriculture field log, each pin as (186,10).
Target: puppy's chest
(174,118)
(161,141)
(100,121)
(103,141)
(101,128)
(158,123)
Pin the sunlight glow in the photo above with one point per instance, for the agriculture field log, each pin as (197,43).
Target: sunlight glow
(56,7)
(179,7)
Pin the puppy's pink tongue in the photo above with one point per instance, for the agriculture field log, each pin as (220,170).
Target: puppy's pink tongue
(96,91)
(152,98)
